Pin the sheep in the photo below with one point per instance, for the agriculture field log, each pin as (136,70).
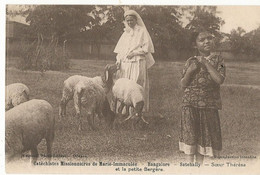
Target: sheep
(130,94)
(106,81)
(25,127)
(92,97)
(15,94)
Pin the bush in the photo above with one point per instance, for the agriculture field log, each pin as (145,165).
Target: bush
(43,57)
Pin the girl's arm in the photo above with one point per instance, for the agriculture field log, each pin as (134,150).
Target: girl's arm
(215,75)
(186,80)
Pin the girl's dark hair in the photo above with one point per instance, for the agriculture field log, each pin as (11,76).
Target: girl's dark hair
(196,33)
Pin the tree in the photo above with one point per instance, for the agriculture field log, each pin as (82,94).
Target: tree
(105,26)
(164,26)
(237,40)
(204,18)
(246,43)
(59,21)
(55,24)
(162,23)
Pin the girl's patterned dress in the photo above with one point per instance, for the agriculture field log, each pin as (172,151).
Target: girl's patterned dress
(200,123)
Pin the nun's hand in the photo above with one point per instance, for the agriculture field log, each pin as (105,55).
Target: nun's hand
(118,64)
(130,55)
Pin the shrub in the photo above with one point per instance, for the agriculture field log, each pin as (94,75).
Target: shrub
(43,57)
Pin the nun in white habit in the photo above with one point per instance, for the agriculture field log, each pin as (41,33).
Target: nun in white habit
(134,50)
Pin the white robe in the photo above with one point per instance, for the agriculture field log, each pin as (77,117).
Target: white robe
(136,40)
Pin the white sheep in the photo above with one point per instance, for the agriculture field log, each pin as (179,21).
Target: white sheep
(25,127)
(92,97)
(130,94)
(105,81)
(15,94)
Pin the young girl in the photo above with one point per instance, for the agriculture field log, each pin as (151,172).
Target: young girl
(201,79)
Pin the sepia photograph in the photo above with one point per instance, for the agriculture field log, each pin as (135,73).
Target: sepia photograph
(132,89)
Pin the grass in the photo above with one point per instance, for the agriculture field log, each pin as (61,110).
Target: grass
(159,141)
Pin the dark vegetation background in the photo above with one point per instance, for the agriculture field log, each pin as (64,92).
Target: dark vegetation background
(57,33)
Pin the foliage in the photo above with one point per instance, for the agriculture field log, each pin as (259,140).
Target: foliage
(57,24)
(104,26)
(246,43)
(252,46)
(164,26)
(162,22)
(237,40)
(43,58)
(53,25)
(59,20)
(204,18)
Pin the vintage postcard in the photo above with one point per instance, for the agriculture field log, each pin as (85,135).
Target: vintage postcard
(131,89)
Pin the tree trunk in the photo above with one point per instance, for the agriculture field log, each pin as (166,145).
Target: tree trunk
(38,48)
(64,49)
(98,45)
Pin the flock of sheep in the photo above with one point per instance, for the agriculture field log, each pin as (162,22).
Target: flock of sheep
(27,121)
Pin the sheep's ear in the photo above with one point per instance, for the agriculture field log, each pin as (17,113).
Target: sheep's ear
(107,67)
(106,75)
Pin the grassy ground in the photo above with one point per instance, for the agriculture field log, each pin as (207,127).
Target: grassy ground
(159,141)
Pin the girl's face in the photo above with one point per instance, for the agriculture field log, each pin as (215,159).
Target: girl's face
(204,43)
(131,21)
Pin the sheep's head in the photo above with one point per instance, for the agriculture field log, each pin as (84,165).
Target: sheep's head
(110,69)
(139,108)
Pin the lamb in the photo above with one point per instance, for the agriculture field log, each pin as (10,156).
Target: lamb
(15,94)
(105,81)
(92,97)
(25,127)
(130,94)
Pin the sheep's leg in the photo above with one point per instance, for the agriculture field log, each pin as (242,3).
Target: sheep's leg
(121,107)
(129,117)
(111,119)
(115,105)
(93,118)
(134,123)
(77,104)
(49,142)
(142,117)
(62,108)
(49,149)
(91,123)
(127,110)
(34,154)
(80,121)
(99,118)
(137,121)
(67,95)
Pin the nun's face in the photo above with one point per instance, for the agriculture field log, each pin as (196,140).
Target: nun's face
(131,21)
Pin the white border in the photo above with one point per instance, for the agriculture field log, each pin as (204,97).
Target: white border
(138,2)
(89,2)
